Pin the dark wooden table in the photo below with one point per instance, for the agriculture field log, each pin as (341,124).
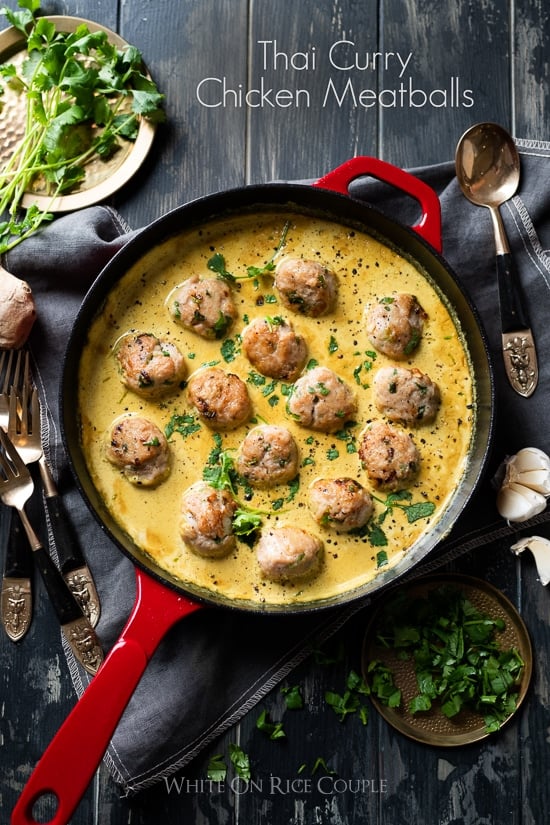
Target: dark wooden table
(487,62)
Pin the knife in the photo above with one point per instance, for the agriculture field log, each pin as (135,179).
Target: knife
(518,344)
(74,567)
(75,626)
(16,595)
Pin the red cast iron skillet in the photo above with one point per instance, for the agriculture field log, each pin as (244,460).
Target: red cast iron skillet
(71,759)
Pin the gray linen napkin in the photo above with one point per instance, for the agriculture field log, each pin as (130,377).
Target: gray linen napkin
(208,671)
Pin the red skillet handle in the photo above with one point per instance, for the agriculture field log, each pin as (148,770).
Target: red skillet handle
(429,226)
(70,761)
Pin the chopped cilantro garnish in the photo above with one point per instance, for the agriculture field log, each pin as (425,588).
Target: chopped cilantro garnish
(455,653)
(217,264)
(185,424)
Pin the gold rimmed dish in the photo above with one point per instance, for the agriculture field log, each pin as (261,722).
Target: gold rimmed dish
(102,177)
(433,727)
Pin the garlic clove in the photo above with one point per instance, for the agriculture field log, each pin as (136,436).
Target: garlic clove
(538,480)
(531,458)
(518,503)
(540,548)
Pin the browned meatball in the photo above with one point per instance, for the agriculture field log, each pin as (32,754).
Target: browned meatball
(149,366)
(406,395)
(274,349)
(139,449)
(306,287)
(221,398)
(340,503)
(203,305)
(389,456)
(394,325)
(288,553)
(321,401)
(206,524)
(268,456)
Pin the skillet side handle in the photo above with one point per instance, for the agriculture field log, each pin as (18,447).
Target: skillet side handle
(429,225)
(68,765)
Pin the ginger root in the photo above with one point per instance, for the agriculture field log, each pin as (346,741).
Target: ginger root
(17,311)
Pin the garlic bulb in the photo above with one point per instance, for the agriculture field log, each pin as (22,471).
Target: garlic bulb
(540,548)
(526,485)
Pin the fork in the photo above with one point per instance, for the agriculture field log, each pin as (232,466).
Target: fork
(25,434)
(16,487)
(16,594)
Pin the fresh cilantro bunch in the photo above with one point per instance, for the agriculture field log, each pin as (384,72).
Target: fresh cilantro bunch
(83,97)
(457,659)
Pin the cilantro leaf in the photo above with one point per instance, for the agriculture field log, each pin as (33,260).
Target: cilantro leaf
(217,769)
(273,729)
(240,761)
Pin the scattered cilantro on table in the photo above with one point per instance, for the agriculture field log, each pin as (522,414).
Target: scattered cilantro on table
(83,97)
(351,701)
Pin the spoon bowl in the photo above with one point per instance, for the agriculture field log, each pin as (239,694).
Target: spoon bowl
(487,165)
(488,170)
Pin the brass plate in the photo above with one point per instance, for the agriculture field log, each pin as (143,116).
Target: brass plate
(432,727)
(102,178)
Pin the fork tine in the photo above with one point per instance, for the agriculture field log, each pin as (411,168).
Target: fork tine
(15,420)
(35,411)
(4,466)
(19,368)
(17,467)
(14,374)
(5,369)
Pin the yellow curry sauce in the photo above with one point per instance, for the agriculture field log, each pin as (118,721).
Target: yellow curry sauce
(367,270)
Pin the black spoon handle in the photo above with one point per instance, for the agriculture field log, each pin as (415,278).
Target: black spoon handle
(512,310)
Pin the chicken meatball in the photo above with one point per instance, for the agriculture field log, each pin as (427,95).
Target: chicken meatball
(221,398)
(203,305)
(274,349)
(340,503)
(306,287)
(139,449)
(149,366)
(268,456)
(288,553)
(389,456)
(406,395)
(394,325)
(206,524)
(321,401)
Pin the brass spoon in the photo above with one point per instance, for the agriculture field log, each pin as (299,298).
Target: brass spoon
(487,169)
